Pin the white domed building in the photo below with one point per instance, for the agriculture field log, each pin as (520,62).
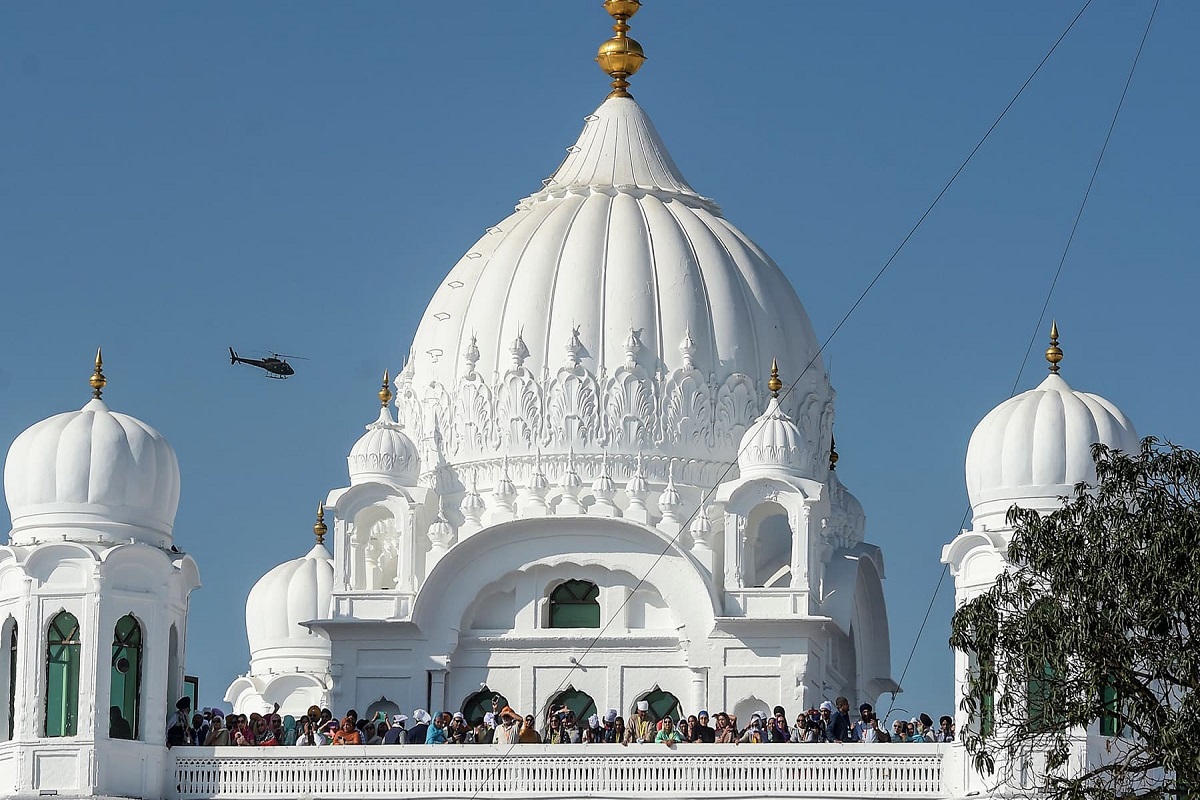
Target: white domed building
(93,605)
(1031,451)
(582,379)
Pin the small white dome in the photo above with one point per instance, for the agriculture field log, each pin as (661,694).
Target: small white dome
(1033,448)
(384,454)
(772,444)
(95,472)
(293,592)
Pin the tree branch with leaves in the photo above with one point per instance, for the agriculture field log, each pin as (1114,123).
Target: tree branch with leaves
(1089,631)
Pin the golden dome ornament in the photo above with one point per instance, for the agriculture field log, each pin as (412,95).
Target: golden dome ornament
(98,381)
(385,394)
(320,528)
(620,56)
(774,384)
(1054,353)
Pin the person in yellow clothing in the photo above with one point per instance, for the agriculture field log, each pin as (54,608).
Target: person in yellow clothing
(641,727)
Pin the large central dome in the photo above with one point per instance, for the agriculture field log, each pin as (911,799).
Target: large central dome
(614,310)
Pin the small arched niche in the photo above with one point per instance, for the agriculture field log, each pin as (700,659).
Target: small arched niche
(767,559)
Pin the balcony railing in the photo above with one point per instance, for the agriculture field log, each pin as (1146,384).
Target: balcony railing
(908,771)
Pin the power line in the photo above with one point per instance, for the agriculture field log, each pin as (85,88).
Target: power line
(1041,317)
(854,307)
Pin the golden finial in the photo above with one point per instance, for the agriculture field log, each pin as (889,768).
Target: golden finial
(774,384)
(385,394)
(320,528)
(620,56)
(833,456)
(98,380)
(1054,352)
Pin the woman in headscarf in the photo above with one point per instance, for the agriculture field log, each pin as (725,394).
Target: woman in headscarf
(289,731)
(218,735)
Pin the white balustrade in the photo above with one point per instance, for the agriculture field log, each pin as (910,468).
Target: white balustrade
(909,771)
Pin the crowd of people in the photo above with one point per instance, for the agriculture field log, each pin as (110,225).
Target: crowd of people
(830,722)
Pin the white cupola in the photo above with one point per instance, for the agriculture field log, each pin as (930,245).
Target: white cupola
(384,454)
(292,593)
(94,475)
(1032,449)
(773,444)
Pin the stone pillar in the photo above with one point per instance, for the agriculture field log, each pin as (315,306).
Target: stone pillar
(437,690)
(699,699)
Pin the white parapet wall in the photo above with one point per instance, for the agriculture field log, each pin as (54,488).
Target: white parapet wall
(909,771)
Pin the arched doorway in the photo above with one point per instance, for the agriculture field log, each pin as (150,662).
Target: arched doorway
(479,703)
(662,704)
(580,703)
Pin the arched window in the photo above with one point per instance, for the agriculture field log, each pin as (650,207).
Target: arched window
(62,675)
(661,703)
(768,553)
(380,706)
(12,679)
(125,686)
(480,703)
(574,604)
(580,703)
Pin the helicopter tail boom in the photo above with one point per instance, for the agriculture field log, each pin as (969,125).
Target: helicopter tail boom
(233,357)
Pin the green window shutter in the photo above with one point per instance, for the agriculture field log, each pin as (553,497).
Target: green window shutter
(575,604)
(125,684)
(62,676)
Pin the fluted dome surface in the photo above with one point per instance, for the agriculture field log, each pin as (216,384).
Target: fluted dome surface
(383,454)
(92,467)
(773,444)
(1033,448)
(612,310)
(293,592)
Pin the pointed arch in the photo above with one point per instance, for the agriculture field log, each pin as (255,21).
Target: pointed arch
(8,675)
(580,703)
(62,675)
(662,704)
(125,680)
(575,604)
(479,703)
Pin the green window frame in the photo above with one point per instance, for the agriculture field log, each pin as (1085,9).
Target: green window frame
(12,680)
(1038,693)
(580,703)
(661,704)
(480,703)
(1110,721)
(62,675)
(125,684)
(575,604)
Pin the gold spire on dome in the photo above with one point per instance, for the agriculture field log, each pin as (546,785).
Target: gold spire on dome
(98,381)
(320,528)
(1054,353)
(620,56)
(774,384)
(385,394)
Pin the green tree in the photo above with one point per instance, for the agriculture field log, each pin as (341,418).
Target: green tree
(1091,629)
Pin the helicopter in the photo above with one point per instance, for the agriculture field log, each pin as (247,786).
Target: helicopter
(276,365)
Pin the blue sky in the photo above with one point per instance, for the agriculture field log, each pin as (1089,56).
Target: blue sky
(177,178)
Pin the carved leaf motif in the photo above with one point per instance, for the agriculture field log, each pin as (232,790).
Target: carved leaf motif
(408,407)
(572,408)
(629,409)
(519,410)
(686,416)
(474,424)
(737,408)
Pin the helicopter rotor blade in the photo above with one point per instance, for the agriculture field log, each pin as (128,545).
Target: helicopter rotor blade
(281,355)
